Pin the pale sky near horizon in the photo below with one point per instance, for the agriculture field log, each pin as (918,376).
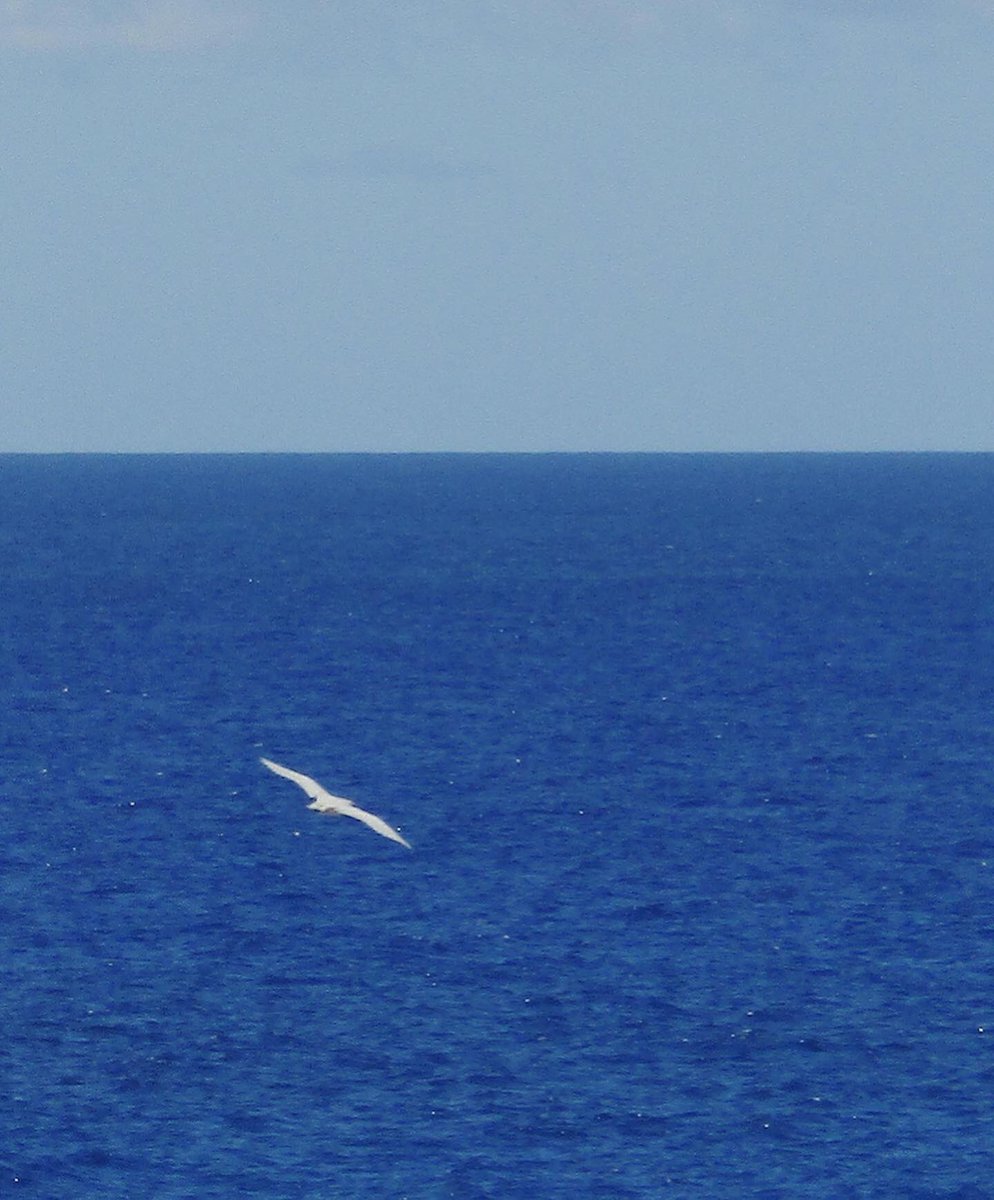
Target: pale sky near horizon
(237,225)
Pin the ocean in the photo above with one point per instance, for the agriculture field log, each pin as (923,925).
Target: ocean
(695,757)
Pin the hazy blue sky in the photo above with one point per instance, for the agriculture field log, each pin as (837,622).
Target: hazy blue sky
(496,225)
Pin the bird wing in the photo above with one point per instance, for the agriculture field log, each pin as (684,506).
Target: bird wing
(310,786)
(374,822)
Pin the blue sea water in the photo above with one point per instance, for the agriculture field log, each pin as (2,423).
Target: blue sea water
(695,755)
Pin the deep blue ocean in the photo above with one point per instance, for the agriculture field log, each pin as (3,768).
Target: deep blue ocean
(696,757)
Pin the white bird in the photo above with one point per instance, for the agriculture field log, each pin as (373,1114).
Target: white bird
(335,806)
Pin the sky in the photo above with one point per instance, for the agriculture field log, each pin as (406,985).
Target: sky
(496,225)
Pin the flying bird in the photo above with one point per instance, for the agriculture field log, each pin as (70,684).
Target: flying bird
(335,806)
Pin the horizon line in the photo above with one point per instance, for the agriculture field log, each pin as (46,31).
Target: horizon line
(549,453)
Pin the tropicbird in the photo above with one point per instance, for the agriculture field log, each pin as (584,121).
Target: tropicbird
(335,806)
